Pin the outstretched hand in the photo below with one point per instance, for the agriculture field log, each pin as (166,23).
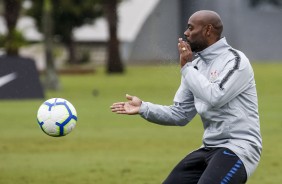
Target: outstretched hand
(131,107)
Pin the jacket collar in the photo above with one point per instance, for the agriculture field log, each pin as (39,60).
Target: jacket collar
(213,51)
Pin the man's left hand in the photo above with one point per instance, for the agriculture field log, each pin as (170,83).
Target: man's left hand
(185,52)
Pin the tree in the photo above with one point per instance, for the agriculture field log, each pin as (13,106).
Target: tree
(51,77)
(14,39)
(114,63)
(66,16)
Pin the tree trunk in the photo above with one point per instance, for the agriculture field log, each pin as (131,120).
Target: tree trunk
(12,10)
(114,63)
(51,78)
(70,45)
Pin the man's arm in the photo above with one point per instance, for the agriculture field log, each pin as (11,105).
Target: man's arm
(178,114)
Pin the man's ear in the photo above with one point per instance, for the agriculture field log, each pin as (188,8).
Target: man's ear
(208,29)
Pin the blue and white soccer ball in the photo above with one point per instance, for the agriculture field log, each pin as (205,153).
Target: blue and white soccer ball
(57,117)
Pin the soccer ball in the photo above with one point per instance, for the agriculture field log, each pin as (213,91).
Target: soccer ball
(57,117)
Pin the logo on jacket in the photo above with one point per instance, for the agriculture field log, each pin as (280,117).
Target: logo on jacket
(213,76)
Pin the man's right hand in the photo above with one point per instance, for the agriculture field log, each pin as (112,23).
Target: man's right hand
(131,107)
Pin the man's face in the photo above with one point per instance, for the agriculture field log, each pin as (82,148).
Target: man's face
(195,35)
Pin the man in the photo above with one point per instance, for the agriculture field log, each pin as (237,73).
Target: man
(219,85)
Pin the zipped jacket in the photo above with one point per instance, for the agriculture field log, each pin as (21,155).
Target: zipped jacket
(219,85)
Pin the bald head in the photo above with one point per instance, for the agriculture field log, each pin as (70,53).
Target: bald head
(207,17)
(204,28)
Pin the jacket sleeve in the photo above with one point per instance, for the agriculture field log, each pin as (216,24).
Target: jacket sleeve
(179,114)
(235,77)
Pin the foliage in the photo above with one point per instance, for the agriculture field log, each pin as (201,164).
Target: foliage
(73,13)
(106,148)
(66,16)
(13,40)
(15,43)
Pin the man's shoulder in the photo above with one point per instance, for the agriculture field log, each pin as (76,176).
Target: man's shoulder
(238,59)
(236,53)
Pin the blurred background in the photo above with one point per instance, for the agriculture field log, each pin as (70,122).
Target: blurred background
(93,52)
(117,33)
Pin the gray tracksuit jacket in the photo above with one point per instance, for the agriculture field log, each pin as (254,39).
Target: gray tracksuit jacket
(219,85)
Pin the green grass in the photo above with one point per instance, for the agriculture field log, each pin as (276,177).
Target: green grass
(106,148)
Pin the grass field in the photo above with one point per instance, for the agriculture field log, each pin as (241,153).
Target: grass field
(106,148)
